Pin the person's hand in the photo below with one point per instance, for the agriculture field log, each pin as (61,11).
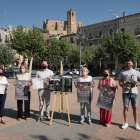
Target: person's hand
(91,83)
(47,84)
(127,88)
(75,83)
(30,84)
(99,87)
(14,84)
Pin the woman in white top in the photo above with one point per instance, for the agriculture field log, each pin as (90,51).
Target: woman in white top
(86,78)
(3,82)
(23,76)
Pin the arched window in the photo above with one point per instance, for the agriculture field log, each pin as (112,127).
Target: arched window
(90,35)
(72,13)
(111,32)
(100,33)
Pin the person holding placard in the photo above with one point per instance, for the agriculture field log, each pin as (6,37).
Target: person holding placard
(106,115)
(86,78)
(129,80)
(23,76)
(3,89)
(47,74)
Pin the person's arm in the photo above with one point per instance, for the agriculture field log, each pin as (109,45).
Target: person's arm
(114,84)
(15,81)
(92,83)
(30,81)
(99,85)
(138,77)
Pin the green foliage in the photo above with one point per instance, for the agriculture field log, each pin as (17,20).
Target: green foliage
(55,51)
(43,30)
(74,56)
(88,54)
(6,55)
(100,52)
(123,43)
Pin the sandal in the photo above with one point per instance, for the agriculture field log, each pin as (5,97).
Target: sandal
(3,122)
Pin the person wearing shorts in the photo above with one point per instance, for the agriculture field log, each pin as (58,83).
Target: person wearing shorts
(129,79)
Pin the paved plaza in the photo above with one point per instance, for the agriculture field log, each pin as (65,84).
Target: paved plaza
(60,130)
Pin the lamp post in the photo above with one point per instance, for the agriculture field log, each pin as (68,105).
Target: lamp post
(80,36)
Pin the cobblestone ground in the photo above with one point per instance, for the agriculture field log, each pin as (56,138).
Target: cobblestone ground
(60,130)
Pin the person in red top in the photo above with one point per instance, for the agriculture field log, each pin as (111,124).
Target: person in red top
(106,115)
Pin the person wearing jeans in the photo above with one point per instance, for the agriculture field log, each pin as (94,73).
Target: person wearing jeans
(86,78)
(44,93)
(129,79)
(4,82)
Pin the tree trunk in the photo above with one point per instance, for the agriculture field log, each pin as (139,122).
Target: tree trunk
(136,64)
(30,69)
(116,66)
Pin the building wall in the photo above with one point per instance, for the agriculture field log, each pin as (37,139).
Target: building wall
(130,23)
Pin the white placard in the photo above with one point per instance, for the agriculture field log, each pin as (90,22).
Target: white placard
(38,83)
(2,89)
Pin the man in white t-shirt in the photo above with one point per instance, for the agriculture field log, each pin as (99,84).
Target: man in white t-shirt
(129,79)
(44,93)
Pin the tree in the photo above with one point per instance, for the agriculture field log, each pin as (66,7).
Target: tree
(28,43)
(6,55)
(74,55)
(121,43)
(88,54)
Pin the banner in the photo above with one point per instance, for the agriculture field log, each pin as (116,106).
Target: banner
(22,90)
(106,97)
(66,83)
(39,83)
(83,92)
(55,85)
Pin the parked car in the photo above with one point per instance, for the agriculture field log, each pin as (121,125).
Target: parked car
(75,71)
(15,70)
(138,69)
(9,73)
(65,72)
(113,72)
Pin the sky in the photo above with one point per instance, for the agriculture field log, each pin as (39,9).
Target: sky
(34,12)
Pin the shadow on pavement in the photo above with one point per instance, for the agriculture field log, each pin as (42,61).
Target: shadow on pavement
(40,137)
(10,113)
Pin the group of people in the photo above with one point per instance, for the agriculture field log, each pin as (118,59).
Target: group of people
(128,94)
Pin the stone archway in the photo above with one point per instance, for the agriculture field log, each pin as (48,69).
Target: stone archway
(53,68)
(65,67)
(111,66)
(72,67)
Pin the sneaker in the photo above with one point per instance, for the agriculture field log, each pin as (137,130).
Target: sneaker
(39,119)
(125,125)
(48,118)
(89,122)
(81,122)
(137,127)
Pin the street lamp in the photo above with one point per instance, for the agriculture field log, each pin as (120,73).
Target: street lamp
(80,36)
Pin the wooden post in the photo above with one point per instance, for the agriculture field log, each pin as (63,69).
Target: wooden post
(53,108)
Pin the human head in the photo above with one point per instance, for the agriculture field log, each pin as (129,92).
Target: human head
(84,71)
(128,63)
(44,65)
(106,72)
(23,68)
(1,71)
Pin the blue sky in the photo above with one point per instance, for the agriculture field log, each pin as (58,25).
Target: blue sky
(29,12)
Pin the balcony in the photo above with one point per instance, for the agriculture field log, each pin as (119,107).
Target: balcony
(98,37)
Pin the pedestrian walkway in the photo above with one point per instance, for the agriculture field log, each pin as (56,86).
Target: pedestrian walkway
(60,130)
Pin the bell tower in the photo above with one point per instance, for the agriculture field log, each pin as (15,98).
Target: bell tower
(71,19)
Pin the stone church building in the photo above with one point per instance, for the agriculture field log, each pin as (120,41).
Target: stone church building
(56,27)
